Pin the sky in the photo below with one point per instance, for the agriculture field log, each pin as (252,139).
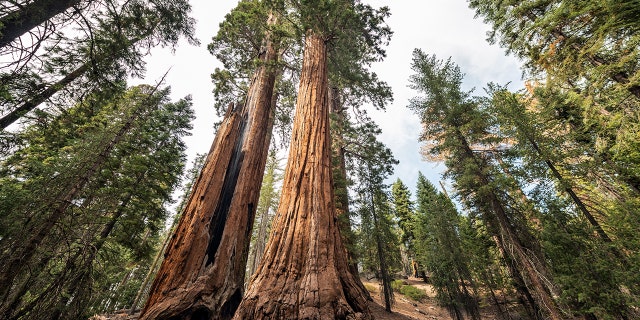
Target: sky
(446,28)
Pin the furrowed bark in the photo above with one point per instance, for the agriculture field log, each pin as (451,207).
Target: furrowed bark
(303,273)
(262,233)
(202,275)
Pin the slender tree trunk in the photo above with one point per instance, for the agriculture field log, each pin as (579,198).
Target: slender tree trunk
(260,242)
(491,287)
(535,274)
(304,272)
(202,275)
(41,97)
(264,215)
(578,202)
(152,271)
(15,24)
(84,269)
(526,298)
(14,297)
(531,213)
(384,272)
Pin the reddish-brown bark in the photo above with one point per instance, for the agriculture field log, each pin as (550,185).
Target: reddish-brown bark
(202,276)
(304,272)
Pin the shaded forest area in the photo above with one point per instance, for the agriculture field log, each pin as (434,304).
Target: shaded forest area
(541,222)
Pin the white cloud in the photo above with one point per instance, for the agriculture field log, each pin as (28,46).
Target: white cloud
(446,28)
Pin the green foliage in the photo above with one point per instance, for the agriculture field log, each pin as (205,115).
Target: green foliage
(584,56)
(397,284)
(90,185)
(585,269)
(403,210)
(240,45)
(410,291)
(565,167)
(458,128)
(440,250)
(371,288)
(114,38)
(548,158)
(377,238)
(413,293)
(267,206)
(356,36)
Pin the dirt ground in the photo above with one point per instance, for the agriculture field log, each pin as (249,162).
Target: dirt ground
(404,307)
(407,309)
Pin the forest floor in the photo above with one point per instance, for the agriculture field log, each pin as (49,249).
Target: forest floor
(406,308)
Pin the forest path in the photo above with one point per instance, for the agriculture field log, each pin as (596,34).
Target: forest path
(404,307)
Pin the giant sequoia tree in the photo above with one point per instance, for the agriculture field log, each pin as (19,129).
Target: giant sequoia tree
(204,267)
(304,272)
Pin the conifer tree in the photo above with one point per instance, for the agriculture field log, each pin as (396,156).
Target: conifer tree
(108,172)
(404,212)
(190,176)
(439,248)
(204,268)
(116,38)
(373,163)
(557,171)
(453,123)
(307,196)
(268,203)
(584,56)
(571,40)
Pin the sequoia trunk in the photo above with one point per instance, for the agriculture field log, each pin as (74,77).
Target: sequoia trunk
(304,272)
(202,276)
